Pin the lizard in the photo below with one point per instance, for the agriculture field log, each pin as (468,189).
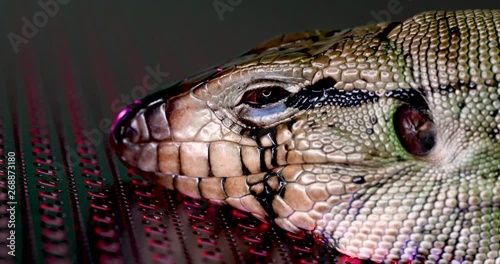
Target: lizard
(384,139)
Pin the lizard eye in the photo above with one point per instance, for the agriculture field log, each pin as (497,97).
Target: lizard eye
(415,130)
(264,103)
(265,96)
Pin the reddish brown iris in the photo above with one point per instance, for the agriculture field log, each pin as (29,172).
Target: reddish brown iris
(415,130)
(264,96)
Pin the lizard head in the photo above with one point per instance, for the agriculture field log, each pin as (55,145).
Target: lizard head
(384,139)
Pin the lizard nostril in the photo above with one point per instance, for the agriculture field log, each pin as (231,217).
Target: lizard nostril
(131,134)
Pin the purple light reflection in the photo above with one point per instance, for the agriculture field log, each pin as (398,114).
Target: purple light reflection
(119,117)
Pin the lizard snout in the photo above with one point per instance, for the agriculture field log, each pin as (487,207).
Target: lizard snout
(138,130)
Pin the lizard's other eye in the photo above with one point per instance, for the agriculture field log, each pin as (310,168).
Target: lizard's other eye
(265,96)
(415,130)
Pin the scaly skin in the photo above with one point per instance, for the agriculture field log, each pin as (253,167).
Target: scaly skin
(383,139)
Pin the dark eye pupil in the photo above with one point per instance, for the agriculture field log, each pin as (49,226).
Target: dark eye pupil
(264,96)
(415,130)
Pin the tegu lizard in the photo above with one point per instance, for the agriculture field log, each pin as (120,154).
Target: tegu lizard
(383,139)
